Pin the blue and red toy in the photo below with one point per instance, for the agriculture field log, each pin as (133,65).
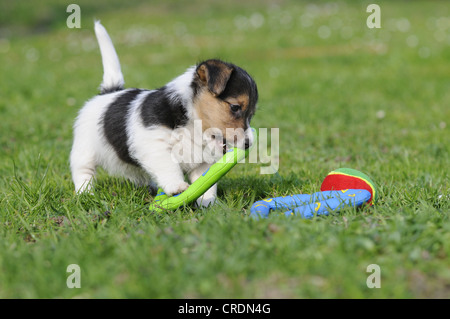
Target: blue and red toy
(341,188)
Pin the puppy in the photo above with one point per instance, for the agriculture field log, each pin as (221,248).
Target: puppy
(153,135)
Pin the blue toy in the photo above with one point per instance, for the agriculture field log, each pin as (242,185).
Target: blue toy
(341,188)
(307,206)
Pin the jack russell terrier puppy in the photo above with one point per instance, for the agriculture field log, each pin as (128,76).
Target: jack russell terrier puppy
(133,133)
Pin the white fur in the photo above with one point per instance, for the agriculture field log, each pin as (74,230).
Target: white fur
(112,74)
(180,87)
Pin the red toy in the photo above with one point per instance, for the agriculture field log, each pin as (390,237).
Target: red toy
(348,178)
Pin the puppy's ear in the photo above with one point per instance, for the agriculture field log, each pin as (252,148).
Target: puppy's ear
(215,74)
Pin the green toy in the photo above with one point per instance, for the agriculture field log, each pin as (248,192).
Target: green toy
(162,202)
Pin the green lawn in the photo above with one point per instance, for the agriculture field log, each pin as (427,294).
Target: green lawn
(341,94)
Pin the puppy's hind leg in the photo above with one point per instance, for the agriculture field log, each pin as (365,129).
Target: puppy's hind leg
(83,167)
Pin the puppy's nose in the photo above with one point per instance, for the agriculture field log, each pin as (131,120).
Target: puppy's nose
(247,143)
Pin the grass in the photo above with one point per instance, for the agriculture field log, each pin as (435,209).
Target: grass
(342,95)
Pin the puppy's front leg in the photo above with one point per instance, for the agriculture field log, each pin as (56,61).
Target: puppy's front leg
(166,172)
(209,197)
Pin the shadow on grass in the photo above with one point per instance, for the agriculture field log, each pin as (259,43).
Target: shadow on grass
(262,186)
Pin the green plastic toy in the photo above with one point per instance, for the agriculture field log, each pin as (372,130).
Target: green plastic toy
(162,202)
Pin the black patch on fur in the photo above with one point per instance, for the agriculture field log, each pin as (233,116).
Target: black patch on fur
(158,109)
(195,86)
(240,83)
(111,89)
(114,124)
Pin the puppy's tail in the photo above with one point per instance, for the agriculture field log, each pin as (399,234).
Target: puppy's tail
(112,75)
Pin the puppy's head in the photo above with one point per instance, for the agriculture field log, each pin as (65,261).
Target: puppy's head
(225,98)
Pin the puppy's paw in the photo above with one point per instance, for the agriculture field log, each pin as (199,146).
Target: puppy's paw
(205,201)
(175,188)
(85,188)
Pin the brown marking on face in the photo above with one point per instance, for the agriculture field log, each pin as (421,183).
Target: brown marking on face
(216,113)
(242,100)
(224,100)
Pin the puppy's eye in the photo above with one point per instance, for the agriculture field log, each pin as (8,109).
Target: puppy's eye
(235,107)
